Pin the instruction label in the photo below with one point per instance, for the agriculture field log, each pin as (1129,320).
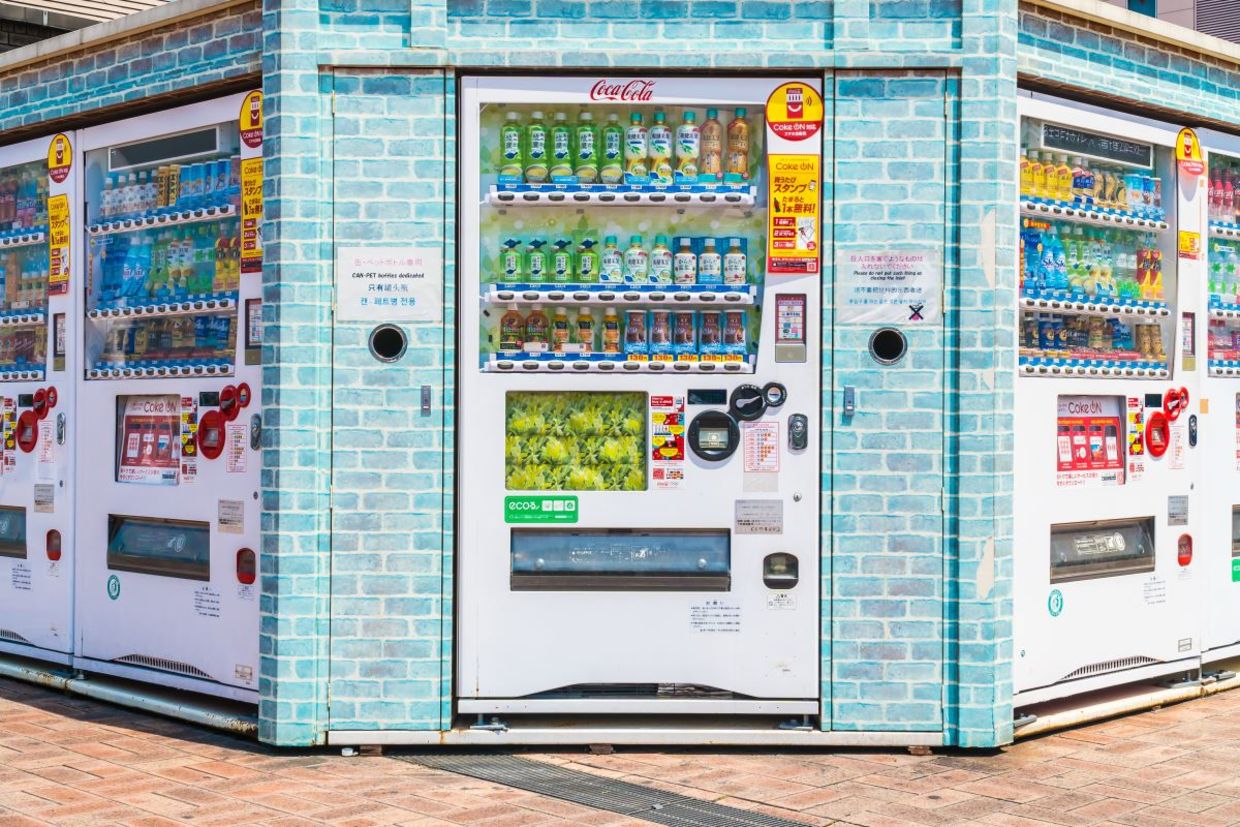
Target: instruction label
(231,516)
(237,440)
(760,446)
(1177,510)
(759,517)
(882,285)
(206,602)
(715,616)
(21,577)
(45,498)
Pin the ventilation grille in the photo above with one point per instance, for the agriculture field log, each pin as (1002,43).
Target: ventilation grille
(1219,18)
(163,664)
(9,634)
(1104,666)
(636,690)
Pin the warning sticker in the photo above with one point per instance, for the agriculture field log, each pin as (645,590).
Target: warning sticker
(759,517)
(206,602)
(715,616)
(235,444)
(45,498)
(760,446)
(21,577)
(781,601)
(231,516)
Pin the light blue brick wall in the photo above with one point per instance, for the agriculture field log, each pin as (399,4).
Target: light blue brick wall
(392,516)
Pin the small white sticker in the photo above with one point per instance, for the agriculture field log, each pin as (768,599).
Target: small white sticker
(246,593)
(21,577)
(244,673)
(53,569)
(236,443)
(781,601)
(206,602)
(231,516)
(1154,591)
(45,469)
(715,616)
(45,498)
(1177,510)
(759,517)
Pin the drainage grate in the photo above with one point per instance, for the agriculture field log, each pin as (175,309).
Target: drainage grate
(579,787)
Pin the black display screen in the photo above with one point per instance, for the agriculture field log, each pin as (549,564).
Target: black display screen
(708,396)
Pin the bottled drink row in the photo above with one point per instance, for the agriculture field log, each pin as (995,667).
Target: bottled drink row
(1224,193)
(587,151)
(170,265)
(171,188)
(671,335)
(1052,335)
(1224,341)
(23,280)
(1088,184)
(168,341)
(23,197)
(1070,261)
(1224,276)
(696,260)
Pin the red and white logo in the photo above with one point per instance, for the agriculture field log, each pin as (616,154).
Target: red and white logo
(629,91)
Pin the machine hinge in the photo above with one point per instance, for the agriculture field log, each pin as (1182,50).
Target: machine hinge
(333,102)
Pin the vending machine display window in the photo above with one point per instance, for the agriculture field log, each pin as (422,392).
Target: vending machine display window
(1223,280)
(24,271)
(164,256)
(12,531)
(575,441)
(1097,254)
(1104,548)
(148,439)
(621,560)
(172,548)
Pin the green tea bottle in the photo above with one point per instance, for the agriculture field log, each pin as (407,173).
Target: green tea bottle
(587,150)
(510,260)
(512,148)
(587,262)
(562,262)
(611,165)
(561,148)
(536,262)
(536,150)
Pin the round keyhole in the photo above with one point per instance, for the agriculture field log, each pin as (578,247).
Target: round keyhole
(387,343)
(888,345)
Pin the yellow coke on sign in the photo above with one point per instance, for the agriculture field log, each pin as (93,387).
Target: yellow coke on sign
(1188,152)
(59,158)
(794,111)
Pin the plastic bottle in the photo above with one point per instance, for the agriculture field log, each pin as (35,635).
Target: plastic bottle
(738,147)
(561,148)
(636,150)
(536,329)
(710,161)
(511,261)
(536,149)
(585,330)
(512,148)
(511,331)
(684,263)
(1063,180)
(587,262)
(611,168)
(562,269)
(660,261)
(1026,175)
(586,149)
(710,264)
(660,149)
(636,262)
(105,200)
(688,148)
(561,330)
(611,262)
(735,265)
(150,193)
(1037,175)
(636,336)
(536,262)
(611,331)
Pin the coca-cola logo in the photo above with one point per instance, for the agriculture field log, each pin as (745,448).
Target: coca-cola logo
(631,91)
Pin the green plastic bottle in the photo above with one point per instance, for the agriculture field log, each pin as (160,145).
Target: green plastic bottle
(510,263)
(536,262)
(562,270)
(536,149)
(611,165)
(587,149)
(587,262)
(561,148)
(512,148)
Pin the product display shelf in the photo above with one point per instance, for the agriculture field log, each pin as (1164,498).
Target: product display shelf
(1138,308)
(1221,229)
(23,237)
(1224,367)
(1089,215)
(671,295)
(600,363)
(20,373)
(1092,368)
(161,370)
(199,304)
(161,220)
(22,316)
(1223,310)
(623,195)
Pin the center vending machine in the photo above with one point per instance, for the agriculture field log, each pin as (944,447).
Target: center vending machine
(640,395)
(167,557)
(1106,402)
(38,183)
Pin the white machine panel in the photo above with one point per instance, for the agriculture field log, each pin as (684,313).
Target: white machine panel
(1219,543)
(1105,396)
(39,234)
(167,568)
(639,467)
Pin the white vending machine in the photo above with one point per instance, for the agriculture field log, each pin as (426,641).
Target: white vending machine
(640,395)
(1105,586)
(167,562)
(38,238)
(1219,543)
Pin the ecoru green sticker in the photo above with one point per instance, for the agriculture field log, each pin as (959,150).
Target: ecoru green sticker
(1054,603)
(1235,569)
(539,508)
(114,587)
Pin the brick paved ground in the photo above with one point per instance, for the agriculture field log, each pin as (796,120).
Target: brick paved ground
(66,760)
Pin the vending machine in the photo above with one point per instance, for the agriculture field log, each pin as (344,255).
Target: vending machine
(1105,405)
(170,335)
(1219,544)
(38,237)
(640,395)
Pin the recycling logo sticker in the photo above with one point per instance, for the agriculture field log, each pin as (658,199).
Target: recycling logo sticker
(1054,603)
(114,587)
